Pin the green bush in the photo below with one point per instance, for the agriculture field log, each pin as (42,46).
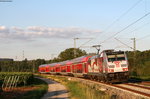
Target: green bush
(139,64)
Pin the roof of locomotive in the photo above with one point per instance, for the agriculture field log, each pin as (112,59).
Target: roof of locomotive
(115,52)
(108,52)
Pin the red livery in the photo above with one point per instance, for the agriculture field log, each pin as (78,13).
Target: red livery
(108,66)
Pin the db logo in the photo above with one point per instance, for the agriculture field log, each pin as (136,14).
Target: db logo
(117,64)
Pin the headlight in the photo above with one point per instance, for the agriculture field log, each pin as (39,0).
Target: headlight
(123,65)
(111,66)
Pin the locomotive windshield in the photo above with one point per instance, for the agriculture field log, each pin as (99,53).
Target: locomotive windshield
(115,56)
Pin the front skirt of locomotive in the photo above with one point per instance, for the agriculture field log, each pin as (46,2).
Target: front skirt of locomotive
(117,77)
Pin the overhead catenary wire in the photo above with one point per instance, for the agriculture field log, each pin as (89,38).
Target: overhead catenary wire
(132,24)
(126,12)
(145,6)
(139,27)
(118,20)
(124,43)
(128,25)
(121,16)
(85,42)
(139,39)
(125,27)
(143,37)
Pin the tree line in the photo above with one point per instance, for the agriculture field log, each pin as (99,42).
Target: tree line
(32,65)
(139,62)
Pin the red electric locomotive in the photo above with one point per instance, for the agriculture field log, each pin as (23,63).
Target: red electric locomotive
(108,66)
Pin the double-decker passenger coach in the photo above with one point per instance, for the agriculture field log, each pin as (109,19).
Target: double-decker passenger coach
(108,66)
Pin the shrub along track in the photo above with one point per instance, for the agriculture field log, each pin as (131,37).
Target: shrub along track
(138,91)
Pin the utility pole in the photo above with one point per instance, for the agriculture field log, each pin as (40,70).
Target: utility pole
(33,68)
(134,50)
(23,54)
(75,53)
(134,44)
(75,46)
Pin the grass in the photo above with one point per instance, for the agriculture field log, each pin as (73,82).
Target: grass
(35,90)
(38,92)
(81,91)
(78,90)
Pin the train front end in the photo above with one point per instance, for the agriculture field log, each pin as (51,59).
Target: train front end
(116,66)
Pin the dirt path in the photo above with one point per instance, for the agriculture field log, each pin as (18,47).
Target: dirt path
(55,90)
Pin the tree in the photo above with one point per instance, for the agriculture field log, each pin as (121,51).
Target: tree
(24,65)
(37,63)
(139,63)
(69,54)
(54,60)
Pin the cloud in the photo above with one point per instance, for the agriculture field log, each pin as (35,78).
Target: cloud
(4,32)
(32,32)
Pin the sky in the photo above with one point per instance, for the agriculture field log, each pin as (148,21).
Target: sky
(35,29)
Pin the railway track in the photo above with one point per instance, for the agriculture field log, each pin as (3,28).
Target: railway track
(135,88)
(138,85)
(147,83)
(130,87)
